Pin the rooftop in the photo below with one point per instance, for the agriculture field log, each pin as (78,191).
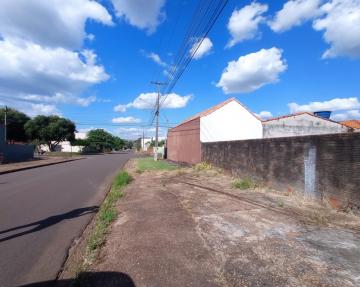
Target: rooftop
(355,124)
(213,109)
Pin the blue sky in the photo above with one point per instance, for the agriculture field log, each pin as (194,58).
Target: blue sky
(81,59)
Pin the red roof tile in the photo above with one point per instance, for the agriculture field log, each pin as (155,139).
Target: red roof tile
(355,124)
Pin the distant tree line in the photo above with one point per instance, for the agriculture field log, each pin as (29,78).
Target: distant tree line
(51,130)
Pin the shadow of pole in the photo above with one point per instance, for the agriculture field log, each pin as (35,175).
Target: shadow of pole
(47,222)
(87,279)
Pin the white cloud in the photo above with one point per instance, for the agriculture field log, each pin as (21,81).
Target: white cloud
(37,109)
(143,14)
(338,104)
(125,120)
(58,99)
(148,101)
(294,13)
(31,72)
(341,26)
(156,58)
(348,115)
(120,108)
(202,50)
(41,60)
(243,23)
(51,23)
(135,133)
(252,71)
(265,115)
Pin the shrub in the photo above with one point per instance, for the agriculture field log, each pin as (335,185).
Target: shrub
(245,183)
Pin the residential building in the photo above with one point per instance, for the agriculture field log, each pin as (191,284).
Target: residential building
(301,124)
(227,121)
(353,124)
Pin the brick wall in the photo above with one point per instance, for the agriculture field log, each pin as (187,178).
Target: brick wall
(325,166)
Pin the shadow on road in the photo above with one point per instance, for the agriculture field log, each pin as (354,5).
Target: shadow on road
(87,279)
(47,222)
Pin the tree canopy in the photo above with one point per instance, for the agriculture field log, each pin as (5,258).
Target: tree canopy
(99,140)
(50,130)
(14,124)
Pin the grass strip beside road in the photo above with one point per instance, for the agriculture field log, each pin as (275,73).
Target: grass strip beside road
(148,163)
(106,215)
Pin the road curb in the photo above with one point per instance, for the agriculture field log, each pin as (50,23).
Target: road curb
(41,165)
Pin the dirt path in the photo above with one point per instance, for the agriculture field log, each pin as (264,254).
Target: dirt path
(192,228)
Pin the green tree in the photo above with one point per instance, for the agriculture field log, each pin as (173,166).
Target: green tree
(15,124)
(160,143)
(118,143)
(100,140)
(50,130)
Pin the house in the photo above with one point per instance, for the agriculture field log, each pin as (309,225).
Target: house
(353,124)
(227,121)
(301,124)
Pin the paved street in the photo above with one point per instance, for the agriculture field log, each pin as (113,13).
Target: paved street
(43,209)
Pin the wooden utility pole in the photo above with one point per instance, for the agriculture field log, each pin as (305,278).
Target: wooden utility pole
(157,113)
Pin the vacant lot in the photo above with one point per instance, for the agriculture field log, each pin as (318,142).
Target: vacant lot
(199,227)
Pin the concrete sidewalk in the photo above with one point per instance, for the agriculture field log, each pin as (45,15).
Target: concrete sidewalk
(193,228)
(13,167)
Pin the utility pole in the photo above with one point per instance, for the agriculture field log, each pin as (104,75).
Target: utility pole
(5,124)
(157,113)
(143,140)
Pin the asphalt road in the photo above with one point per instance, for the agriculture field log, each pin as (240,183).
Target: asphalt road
(42,210)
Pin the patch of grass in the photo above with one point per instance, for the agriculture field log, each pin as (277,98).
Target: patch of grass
(203,166)
(148,163)
(280,203)
(245,183)
(107,213)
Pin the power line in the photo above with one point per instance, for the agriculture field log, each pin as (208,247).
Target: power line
(204,18)
(193,41)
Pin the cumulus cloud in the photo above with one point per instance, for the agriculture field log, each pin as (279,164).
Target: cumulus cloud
(252,71)
(202,50)
(148,101)
(125,120)
(30,72)
(143,14)
(51,23)
(264,115)
(294,13)
(337,104)
(347,115)
(341,26)
(43,65)
(156,59)
(243,23)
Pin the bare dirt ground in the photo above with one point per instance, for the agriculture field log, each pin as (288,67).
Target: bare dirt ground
(193,228)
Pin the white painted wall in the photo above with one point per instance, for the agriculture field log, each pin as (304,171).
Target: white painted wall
(301,125)
(66,146)
(230,122)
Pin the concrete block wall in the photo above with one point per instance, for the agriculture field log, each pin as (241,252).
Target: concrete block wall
(323,166)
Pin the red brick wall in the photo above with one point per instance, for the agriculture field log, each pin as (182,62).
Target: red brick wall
(183,143)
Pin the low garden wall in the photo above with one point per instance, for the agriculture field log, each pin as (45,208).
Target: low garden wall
(16,152)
